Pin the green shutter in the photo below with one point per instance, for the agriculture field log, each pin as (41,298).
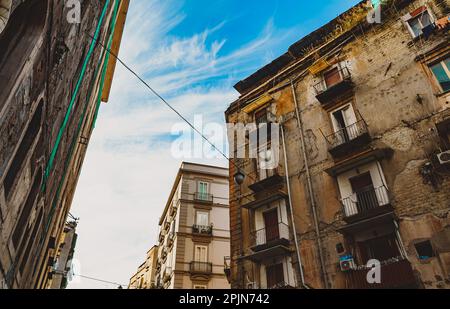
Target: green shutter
(441,74)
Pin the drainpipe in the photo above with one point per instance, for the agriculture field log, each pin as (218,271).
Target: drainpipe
(297,249)
(310,188)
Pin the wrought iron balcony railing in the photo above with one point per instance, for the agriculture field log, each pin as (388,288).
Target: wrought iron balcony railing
(167,274)
(170,239)
(203,197)
(322,86)
(202,229)
(395,273)
(227,266)
(365,200)
(271,233)
(200,267)
(347,134)
(174,208)
(281,286)
(332,88)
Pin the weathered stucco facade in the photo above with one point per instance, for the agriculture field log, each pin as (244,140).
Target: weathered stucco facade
(365,114)
(53,76)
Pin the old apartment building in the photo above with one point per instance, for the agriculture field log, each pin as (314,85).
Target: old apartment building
(53,76)
(194,237)
(62,268)
(364,173)
(145,276)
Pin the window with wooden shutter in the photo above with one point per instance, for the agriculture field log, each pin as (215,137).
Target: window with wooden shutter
(275,275)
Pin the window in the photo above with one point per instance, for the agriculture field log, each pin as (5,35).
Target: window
(424,250)
(344,125)
(275,275)
(17,41)
(332,77)
(203,191)
(443,129)
(19,158)
(265,160)
(264,131)
(200,287)
(201,254)
(271,225)
(24,217)
(419,21)
(343,118)
(441,72)
(202,218)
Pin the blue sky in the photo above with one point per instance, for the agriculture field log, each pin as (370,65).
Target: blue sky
(193,52)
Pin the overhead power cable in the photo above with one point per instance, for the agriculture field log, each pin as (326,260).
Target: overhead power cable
(168,104)
(100,280)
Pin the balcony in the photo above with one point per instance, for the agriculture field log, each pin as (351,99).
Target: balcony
(265,181)
(173,209)
(167,274)
(202,197)
(164,254)
(203,268)
(270,242)
(166,227)
(259,202)
(281,286)
(161,236)
(396,273)
(170,239)
(227,267)
(202,230)
(348,139)
(329,92)
(366,203)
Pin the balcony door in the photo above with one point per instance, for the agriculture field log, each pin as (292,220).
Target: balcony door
(201,254)
(275,275)
(343,121)
(332,77)
(380,248)
(271,225)
(202,218)
(366,198)
(203,191)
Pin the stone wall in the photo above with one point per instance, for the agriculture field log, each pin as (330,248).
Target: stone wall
(41,76)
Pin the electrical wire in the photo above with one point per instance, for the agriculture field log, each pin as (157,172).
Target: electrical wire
(165,102)
(100,280)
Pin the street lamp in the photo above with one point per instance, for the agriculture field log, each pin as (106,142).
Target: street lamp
(239,177)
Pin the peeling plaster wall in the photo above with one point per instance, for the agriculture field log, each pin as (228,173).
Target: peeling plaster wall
(388,82)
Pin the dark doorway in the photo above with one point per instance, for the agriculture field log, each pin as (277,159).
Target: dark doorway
(275,275)
(380,248)
(362,185)
(271,224)
(341,131)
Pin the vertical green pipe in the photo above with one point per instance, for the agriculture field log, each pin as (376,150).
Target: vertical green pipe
(75,93)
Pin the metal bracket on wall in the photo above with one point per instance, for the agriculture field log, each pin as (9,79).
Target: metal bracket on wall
(84,140)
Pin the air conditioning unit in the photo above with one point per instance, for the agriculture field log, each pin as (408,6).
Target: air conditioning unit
(347,263)
(444,157)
